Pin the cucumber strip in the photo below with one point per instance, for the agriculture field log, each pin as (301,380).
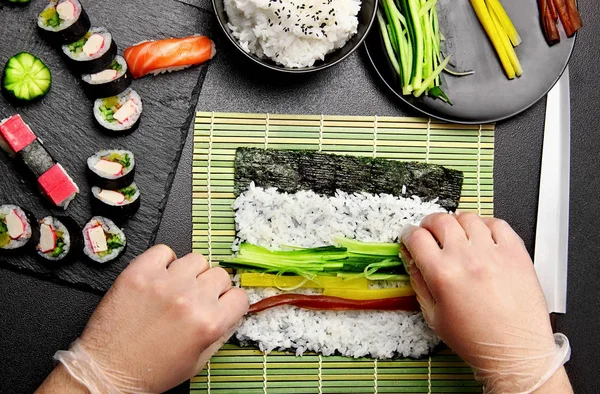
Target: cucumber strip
(426,83)
(413,8)
(26,77)
(386,41)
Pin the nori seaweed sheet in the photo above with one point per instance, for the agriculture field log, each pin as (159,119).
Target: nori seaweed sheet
(290,171)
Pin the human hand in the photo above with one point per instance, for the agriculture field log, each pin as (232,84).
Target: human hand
(479,292)
(162,320)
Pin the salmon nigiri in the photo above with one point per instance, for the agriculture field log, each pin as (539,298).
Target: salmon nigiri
(170,54)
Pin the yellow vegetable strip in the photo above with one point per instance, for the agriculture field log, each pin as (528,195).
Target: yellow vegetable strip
(257,279)
(512,55)
(370,294)
(505,21)
(488,24)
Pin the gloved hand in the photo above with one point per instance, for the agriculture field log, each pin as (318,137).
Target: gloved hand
(479,292)
(159,324)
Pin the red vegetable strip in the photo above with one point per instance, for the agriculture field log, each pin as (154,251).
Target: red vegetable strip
(575,18)
(563,13)
(548,23)
(552,9)
(335,303)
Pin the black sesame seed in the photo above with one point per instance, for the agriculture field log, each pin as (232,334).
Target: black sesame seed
(336,23)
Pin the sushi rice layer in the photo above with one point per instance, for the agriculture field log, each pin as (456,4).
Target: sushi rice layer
(62,24)
(270,219)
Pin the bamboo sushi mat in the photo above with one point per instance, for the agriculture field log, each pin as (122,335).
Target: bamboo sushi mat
(216,137)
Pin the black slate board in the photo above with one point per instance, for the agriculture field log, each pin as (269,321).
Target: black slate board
(64,121)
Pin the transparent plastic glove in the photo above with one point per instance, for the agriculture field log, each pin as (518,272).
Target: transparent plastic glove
(158,325)
(479,292)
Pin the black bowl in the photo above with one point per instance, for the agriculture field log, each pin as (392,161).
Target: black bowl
(366,16)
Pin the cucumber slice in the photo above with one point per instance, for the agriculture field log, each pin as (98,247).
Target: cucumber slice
(26,77)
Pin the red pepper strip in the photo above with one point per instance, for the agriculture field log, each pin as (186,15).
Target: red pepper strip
(576,22)
(552,10)
(335,303)
(548,23)
(563,13)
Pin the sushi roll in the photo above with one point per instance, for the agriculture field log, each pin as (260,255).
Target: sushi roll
(119,114)
(63,22)
(103,240)
(92,53)
(15,135)
(116,204)
(60,239)
(110,82)
(111,169)
(36,159)
(17,229)
(58,186)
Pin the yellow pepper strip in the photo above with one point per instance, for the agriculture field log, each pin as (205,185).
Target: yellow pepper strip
(370,294)
(257,279)
(505,21)
(488,24)
(512,55)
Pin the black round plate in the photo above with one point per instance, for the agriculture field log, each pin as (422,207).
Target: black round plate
(488,95)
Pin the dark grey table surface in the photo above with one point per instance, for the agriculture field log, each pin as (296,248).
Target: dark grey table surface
(37,318)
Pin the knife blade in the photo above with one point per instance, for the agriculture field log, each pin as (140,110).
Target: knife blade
(552,232)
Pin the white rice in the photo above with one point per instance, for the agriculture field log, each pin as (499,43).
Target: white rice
(26,236)
(271,219)
(313,29)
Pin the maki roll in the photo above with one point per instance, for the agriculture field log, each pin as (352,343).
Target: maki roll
(116,204)
(120,113)
(16,230)
(36,159)
(103,240)
(111,169)
(63,22)
(92,53)
(110,82)
(60,239)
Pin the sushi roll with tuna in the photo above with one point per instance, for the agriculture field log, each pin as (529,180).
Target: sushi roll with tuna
(60,239)
(18,229)
(63,22)
(92,53)
(110,82)
(103,240)
(111,169)
(119,114)
(116,204)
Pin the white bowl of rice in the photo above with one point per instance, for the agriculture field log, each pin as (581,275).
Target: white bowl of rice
(296,36)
